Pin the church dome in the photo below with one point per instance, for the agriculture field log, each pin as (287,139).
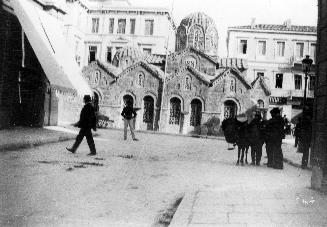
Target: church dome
(199,31)
(127,56)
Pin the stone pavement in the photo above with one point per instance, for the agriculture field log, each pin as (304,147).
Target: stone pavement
(25,137)
(246,206)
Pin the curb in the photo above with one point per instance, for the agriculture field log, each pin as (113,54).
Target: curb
(30,144)
(290,162)
(182,216)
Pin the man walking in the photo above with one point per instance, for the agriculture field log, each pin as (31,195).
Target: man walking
(274,136)
(86,122)
(129,114)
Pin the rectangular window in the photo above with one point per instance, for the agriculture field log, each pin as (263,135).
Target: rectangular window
(132,24)
(279,80)
(92,53)
(262,47)
(109,54)
(147,51)
(280,49)
(299,50)
(149,27)
(121,26)
(312,82)
(313,51)
(111,25)
(243,46)
(260,74)
(95,25)
(298,82)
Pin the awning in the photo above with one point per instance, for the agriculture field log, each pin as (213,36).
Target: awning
(45,35)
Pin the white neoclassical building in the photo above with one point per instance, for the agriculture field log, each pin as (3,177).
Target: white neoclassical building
(275,52)
(97,29)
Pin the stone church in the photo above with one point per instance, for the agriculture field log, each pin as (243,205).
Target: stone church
(191,93)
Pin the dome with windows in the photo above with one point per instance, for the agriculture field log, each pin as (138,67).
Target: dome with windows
(199,31)
(127,56)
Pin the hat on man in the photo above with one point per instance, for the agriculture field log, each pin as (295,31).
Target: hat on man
(87,98)
(274,111)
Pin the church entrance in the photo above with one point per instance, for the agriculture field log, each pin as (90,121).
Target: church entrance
(148,112)
(196,114)
(175,123)
(230,109)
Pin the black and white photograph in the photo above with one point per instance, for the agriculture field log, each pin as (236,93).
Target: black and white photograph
(163,113)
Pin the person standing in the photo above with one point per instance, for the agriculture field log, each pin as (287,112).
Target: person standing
(297,132)
(129,114)
(305,139)
(274,136)
(86,122)
(256,138)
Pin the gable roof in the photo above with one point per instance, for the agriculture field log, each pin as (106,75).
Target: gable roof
(222,72)
(199,52)
(156,71)
(202,76)
(263,83)
(108,68)
(277,27)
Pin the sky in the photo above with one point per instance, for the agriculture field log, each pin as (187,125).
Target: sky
(227,13)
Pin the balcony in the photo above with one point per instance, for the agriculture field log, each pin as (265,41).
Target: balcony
(300,93)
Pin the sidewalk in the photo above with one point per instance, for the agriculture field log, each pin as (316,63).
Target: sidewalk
(24,137)
(291,156)
(237,206)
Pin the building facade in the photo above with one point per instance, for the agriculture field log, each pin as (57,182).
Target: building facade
(40,81)
(319,137)
(275,52)
(192,94)
(98,29)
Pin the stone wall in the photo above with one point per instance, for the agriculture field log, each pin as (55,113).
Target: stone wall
(137,82)
(319,137)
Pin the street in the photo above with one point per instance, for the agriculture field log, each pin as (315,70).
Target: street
(129,183)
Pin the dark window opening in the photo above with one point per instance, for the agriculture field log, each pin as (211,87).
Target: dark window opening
(92,53)
(298,82)
(279,80)
(196,112)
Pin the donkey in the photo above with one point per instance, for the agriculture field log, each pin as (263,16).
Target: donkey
(242,142)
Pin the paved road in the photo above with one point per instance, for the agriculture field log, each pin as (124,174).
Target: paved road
(128,183)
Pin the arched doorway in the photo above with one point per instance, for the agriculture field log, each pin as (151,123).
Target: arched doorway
(230,109)
(96,102)
(175,116)
(196,113)
(148,112)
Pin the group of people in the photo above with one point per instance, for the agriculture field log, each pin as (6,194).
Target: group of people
(88,120)
(255,134)
(271,132)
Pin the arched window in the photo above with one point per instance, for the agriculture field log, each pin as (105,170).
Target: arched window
(175,111)
(232,85)
(196,112)
(187,84)
(140,80)
(261,104)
